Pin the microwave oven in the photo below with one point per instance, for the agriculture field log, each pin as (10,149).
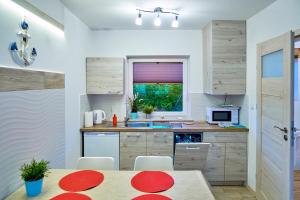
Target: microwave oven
(215,115)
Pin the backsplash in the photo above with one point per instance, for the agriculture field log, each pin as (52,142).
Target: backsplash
(116,104)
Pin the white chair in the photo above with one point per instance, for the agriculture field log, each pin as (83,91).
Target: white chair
(153,163)
(96,163)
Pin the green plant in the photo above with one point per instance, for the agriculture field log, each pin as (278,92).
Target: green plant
(35,170)
(133,102)
(164,97)
(148,109)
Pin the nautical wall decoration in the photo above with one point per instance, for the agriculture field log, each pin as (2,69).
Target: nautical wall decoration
(20,51)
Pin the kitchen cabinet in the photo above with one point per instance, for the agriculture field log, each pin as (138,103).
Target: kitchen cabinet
(133,144)
(160,143)
(227,158)
(105,76)
(224,57)
(215,163)
(189,156)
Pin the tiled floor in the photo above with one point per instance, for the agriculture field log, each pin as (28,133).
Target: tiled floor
(232,193)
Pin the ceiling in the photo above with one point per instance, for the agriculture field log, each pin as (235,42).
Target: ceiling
(194,14)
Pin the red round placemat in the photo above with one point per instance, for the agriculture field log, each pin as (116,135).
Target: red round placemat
(151,197)
(71,196)
(81,180)
(152,181)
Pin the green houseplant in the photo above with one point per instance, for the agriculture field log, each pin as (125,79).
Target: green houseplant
(33,174)
(133,102)
(148,109)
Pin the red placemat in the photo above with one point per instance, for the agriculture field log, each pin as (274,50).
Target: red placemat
(81,180)
(71,196)
(151,197)
(152,181)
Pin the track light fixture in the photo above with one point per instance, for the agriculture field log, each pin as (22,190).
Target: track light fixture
(175,22)
(157,21)
(138,20)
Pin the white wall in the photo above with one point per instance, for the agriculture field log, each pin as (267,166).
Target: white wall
(66,54)
(278,18)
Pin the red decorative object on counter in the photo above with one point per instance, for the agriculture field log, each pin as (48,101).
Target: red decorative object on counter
(115,120)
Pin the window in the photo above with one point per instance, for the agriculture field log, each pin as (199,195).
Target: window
(160,83)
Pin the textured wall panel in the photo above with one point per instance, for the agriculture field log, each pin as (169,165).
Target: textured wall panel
(32,125)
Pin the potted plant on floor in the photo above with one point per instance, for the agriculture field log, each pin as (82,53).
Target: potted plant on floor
(148,109)
(33,175)
(133,102)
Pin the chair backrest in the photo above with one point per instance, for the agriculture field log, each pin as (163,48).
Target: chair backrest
(153,163)
(96,163)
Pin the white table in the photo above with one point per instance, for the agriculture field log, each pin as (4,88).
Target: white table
(189,185)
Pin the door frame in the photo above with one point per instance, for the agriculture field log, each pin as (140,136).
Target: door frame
(259,111)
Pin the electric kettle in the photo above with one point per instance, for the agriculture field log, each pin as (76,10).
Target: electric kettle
(99,116)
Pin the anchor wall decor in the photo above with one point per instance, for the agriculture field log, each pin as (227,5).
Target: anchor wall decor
(20,51)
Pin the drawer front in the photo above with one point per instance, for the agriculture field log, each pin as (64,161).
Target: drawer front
(160,144)
(236,162)
(132,144)
(214,170)
(227,137)
(189,157)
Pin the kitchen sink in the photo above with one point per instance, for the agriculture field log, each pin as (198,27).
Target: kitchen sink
(149,125)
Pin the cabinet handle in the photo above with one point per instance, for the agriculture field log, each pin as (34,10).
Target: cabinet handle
(192,148)
(137,135)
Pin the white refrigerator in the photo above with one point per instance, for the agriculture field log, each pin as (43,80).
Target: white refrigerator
(102,144)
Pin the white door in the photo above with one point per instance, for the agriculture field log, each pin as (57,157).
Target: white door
(274,119)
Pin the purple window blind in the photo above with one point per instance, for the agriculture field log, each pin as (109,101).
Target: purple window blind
(162,72)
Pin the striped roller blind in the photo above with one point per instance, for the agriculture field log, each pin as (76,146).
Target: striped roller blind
(158,72)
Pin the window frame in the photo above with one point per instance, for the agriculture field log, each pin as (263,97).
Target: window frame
(185,106)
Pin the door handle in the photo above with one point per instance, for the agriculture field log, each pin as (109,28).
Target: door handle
(285,130)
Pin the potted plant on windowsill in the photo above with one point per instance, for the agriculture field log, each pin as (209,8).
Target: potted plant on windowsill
(33,175)
(133,102)
(148,109)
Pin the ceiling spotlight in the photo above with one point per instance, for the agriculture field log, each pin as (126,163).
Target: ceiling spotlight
(175,22)
(157,21)
(138,20)
(157,11)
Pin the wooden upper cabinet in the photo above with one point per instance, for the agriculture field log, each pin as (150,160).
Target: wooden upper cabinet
(105,76)
(224,57)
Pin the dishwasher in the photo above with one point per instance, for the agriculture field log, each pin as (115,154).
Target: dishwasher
(190,153)
(102,144)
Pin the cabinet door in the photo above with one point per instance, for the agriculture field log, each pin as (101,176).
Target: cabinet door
(190,156)
(132,144)
(236,162)
(215,162)
(160,143)
(105,75)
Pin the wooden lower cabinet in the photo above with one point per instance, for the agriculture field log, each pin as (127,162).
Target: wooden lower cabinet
(133,144)
(227,158)
(215,163)
(160,143)
(236,162)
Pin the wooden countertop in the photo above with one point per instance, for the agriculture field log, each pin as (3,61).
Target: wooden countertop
(188,126)
(116,186)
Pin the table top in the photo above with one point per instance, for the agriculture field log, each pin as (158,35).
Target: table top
(189,185)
